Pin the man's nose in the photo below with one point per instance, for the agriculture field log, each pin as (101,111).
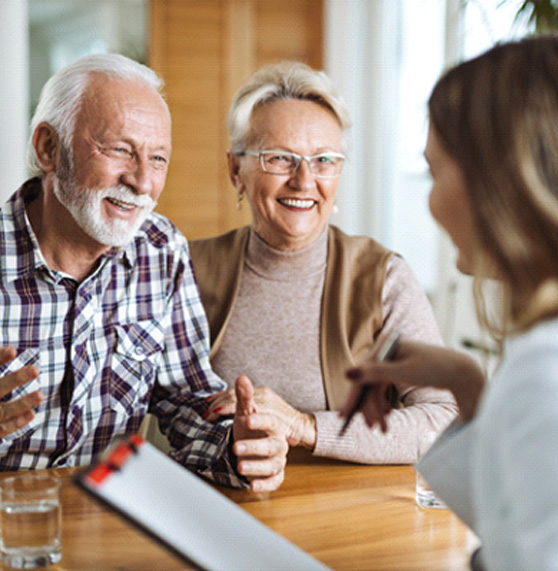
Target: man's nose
(139,176)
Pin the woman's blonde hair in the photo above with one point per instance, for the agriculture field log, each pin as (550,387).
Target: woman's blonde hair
(280,81)
(497,116)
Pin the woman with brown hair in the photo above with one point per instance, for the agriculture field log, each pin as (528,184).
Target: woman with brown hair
(493,153)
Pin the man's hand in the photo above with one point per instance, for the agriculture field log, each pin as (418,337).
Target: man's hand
(300,427)
(260,441)
(17,413)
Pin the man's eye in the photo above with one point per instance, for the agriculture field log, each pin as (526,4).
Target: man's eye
(159,162)
(325,159)
(121,151)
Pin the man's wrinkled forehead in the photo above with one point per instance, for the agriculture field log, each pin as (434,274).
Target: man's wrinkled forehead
(110,100)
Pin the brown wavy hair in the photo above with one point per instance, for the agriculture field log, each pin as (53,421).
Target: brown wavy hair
(497,116)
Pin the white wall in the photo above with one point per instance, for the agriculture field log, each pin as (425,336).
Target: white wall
(14,95)
(357,60)
(384,56)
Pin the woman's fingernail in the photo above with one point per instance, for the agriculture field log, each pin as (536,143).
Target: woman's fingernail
(354,374)
(218,409)
(206,414)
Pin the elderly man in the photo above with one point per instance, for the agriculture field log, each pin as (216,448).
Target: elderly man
(100,318)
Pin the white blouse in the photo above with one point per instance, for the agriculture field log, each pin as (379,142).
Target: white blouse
(499,473)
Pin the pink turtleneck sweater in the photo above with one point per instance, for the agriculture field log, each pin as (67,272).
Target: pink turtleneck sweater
(279,289)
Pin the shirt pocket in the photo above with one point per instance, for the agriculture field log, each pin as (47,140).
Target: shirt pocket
(139,348)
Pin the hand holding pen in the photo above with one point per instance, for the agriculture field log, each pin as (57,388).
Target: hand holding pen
(386,352)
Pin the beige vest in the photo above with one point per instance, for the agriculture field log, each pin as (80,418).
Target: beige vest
(351,314)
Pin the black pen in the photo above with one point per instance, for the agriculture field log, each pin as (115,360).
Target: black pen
(386,352)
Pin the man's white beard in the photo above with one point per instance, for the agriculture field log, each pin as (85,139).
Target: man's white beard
(85,207)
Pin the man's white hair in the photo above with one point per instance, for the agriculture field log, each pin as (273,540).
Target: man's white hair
(61,95)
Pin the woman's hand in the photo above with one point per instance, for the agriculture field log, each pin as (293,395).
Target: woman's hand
(418,365)
(300,427)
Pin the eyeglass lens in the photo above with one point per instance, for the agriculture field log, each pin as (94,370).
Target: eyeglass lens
(287,163)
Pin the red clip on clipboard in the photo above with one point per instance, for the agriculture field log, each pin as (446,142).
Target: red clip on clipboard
(186,514)
(115,461)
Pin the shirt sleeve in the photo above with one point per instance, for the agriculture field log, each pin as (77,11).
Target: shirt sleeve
(447,467)
(517,460)
(407,310)
(185,379)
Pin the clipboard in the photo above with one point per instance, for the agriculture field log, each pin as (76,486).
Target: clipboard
(186,514)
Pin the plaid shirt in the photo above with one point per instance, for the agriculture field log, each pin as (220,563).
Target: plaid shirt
(132,336)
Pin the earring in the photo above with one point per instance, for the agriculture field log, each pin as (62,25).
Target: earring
(239,201)
(335,208)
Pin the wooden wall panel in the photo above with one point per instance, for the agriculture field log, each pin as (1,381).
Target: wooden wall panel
(290,29)
(206,49)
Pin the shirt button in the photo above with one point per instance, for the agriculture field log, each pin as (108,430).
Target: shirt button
(139,351)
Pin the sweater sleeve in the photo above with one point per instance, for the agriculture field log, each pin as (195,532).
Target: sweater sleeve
(407,310)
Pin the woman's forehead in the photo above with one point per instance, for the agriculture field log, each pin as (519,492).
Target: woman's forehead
(294,118)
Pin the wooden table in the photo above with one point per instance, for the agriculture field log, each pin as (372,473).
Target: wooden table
(347,516)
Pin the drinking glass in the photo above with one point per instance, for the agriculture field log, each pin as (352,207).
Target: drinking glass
(30,521)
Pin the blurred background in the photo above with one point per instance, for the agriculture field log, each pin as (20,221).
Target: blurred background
(383,55)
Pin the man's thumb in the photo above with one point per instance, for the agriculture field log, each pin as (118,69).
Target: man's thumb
(244,390)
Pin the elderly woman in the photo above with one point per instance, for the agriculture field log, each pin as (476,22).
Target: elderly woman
(293,302)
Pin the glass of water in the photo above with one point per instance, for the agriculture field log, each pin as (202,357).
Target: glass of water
(425,496)
(30,521)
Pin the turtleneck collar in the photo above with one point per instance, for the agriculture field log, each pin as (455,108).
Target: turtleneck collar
(276,264)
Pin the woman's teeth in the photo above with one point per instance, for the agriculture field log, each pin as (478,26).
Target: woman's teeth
(297,203)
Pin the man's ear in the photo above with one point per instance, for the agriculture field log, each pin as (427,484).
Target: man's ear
(46,144)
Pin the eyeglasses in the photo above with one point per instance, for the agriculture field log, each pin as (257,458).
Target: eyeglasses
(324,165)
